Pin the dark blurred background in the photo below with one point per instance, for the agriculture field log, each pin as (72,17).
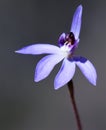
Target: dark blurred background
(26,105)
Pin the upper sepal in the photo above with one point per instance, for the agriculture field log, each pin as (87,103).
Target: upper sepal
(76,22)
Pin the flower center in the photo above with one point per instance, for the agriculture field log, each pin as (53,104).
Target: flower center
(65,49)
(70,39)
(67,43)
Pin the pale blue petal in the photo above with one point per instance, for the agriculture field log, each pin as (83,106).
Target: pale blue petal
(65,74)
(87,69)
(45,66)
(76,23)
(39,49)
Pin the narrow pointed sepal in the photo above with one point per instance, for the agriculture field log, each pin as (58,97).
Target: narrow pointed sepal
(39,49)
(76,22)
(87,69)
(45,66)
(65,74)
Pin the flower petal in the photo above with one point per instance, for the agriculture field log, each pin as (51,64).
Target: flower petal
(87,69)
(62,39)
(78,59)
(65,74)
(39,49)
(45,66)
(76,23)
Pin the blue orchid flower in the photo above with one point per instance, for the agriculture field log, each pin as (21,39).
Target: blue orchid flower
(67,45)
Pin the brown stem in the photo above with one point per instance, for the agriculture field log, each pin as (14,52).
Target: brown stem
(71,90)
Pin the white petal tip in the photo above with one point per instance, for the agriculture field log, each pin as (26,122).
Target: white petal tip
(21,51)
(56,87)
(93,78)
(18,51)
(37,79)
(80,6)
(94,83)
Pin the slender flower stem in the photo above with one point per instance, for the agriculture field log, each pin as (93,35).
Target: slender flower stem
(71,90)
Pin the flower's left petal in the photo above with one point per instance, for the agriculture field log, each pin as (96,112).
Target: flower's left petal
(87,69)
(65,74)
(62,39)
(45,66)
(76,23)
(39,49)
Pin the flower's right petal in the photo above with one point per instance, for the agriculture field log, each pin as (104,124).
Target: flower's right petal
(45,66)
(76,23)
(87,69)
(39,49)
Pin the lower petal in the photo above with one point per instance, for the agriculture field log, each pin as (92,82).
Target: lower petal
(87,69)
(45,66)
(65,74)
